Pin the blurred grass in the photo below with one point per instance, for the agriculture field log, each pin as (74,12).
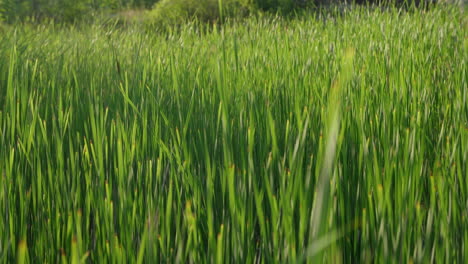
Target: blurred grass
(216,144)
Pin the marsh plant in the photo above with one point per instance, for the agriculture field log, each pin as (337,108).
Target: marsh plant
(323,138)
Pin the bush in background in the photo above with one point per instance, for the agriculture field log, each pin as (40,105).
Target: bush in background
(63,10)
(165,12)
(170,12)
(284,6)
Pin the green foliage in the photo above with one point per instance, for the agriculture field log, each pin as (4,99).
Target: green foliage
(13,10)
(62,10)
(170,12)
(320,139)
(2,12)
(144,3)
(177,11)
(118,4)
(276,5)
(69,10)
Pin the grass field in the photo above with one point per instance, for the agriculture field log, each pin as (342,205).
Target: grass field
(320,139)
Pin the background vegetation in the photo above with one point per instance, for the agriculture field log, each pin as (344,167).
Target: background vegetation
(324,138)
(164,11)
(64,10)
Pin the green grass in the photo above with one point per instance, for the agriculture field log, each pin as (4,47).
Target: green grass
(318,139)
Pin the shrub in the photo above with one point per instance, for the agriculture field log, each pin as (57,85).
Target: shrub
(64,10)
(13,10)
(284,6)
(171,12)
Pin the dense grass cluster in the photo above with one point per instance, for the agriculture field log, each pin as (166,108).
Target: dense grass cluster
(326,138)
